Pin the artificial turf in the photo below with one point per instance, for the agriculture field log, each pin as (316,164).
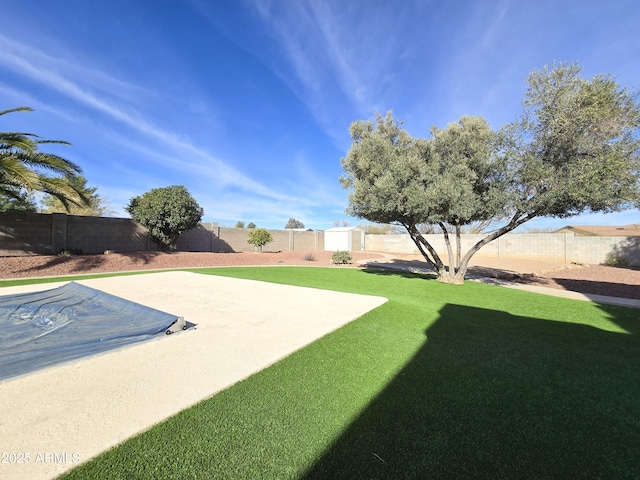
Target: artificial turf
(443,381)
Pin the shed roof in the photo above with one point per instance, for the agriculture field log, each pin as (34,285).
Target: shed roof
(632,230)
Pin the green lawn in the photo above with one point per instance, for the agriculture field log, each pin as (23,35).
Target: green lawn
(442,381)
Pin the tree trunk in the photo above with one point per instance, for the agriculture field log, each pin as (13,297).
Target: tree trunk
(453,279)
(434,261)
(452,266)
(455,274)
(458,246)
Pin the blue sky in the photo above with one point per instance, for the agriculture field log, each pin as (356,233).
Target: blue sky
(248,103)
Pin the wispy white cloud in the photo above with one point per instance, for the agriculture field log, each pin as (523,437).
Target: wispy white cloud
(28,60)
(339,69)
(346,61)
(496,22)
(46,70)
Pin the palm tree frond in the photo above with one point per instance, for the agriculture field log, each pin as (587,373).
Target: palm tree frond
(55,142)
(63,191)
(18,109)
(22,165)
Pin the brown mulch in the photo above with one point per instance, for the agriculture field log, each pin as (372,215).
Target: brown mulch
(54,266)
(589,279)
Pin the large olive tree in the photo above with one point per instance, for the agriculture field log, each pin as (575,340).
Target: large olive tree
(575,149)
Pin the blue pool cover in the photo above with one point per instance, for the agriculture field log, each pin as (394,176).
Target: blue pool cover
(42,329)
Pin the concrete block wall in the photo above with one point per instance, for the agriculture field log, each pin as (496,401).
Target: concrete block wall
(601,249)
(390,243)
(209,237)
(203,238)
(235,240)
(281,241)
(306,241)
(96,234)
(25,234)
(48,234)
(554,247)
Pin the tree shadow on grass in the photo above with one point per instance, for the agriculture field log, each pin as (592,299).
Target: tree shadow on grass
(387,272)
(492,395)
(501,276)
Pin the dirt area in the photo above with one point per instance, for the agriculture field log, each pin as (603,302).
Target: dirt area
(53,266)
(589,279)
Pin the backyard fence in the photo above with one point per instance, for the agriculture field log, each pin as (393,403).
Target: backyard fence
(554,247)
(49,234)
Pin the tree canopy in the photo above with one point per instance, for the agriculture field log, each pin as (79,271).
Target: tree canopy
(259,237)
(96,206)
(18,201)
(293,223)
(166,213)
(574,149)
(24,166)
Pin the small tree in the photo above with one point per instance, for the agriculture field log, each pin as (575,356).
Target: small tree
(575,149)
(96,206)
(166,213)
(239,224)
(251,225)
(293,223)
(260,237)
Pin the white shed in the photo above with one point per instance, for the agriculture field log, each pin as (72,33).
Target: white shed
(350,239)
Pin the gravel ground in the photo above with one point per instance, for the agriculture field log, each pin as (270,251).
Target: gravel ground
(590,279)
(587,279)
(53,266)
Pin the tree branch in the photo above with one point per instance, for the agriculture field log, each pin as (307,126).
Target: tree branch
(514,223)
(419,240)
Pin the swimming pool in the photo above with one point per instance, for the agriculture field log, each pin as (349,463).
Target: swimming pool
(46,328)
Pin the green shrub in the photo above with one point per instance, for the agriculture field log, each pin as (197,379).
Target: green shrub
(614,260)
(260,237)
(341,257)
